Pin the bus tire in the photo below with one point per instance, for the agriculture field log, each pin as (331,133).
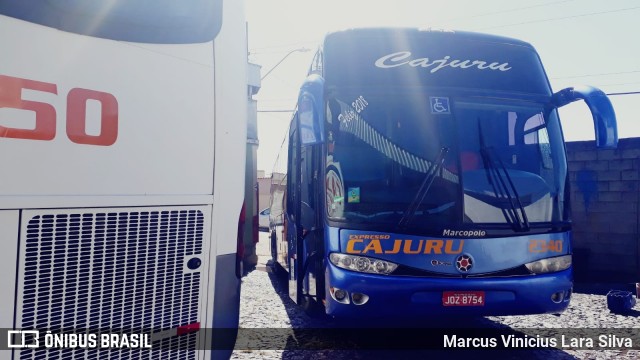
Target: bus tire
(274,249)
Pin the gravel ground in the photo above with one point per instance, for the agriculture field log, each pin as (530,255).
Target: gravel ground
(269,318)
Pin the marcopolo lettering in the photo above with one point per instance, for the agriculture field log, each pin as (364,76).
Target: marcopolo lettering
(360,245)
(464,233)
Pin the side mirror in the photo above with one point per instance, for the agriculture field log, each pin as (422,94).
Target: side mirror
(604,118)
(310,114)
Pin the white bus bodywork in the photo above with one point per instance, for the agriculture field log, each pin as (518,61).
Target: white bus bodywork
(105,233)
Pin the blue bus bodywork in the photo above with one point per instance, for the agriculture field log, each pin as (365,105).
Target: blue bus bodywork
(432,266)
(425,173)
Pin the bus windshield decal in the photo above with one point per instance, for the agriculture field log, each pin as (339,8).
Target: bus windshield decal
(396,59)
(354,124)
(440,105)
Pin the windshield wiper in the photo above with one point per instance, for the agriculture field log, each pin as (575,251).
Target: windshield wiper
(497,173)
(409,213)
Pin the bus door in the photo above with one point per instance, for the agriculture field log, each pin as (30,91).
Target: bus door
(305,236)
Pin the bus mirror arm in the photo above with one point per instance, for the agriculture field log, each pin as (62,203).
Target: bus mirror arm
(604,117)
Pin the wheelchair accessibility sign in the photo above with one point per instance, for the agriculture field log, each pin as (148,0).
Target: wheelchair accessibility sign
(440,105)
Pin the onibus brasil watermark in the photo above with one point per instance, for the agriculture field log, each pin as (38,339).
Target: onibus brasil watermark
(25,339)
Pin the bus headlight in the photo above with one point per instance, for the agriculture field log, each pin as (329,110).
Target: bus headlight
(549,265)
(362,264)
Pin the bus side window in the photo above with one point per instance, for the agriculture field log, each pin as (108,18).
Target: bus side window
(535,133)
(309,187)
(292,173)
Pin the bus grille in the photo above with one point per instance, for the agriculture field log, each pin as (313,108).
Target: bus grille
(112,271)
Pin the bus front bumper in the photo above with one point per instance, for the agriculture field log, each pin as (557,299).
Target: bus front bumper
(400,296)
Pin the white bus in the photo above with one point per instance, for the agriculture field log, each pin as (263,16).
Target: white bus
(122,144)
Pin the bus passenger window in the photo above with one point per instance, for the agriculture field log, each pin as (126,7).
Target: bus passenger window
(535,132)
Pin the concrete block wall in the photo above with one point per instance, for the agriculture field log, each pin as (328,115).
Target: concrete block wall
(605,200)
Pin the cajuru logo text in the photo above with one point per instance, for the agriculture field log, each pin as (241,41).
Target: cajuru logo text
(404,58)
(357,244)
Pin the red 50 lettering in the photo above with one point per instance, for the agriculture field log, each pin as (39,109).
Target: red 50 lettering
(45,128)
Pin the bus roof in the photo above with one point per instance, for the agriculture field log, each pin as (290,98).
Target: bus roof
(410,57)
(408,31)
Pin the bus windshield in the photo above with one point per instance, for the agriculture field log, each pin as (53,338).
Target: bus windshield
(424,162)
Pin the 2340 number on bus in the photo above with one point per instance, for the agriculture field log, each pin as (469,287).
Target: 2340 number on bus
(463,298)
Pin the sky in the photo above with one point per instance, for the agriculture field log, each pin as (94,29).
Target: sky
(580,42)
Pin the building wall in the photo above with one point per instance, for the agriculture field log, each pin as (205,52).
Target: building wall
(605,201)
(264,184)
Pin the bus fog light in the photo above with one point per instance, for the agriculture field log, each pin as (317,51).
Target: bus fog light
(362,264)
(557,297)
(339,295)
(549,265)
(359,299)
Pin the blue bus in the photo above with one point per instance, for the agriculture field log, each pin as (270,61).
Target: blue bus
(425,172)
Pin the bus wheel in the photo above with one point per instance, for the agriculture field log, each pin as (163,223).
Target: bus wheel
(274,249)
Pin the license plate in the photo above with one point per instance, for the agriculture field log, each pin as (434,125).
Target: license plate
(463,298)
